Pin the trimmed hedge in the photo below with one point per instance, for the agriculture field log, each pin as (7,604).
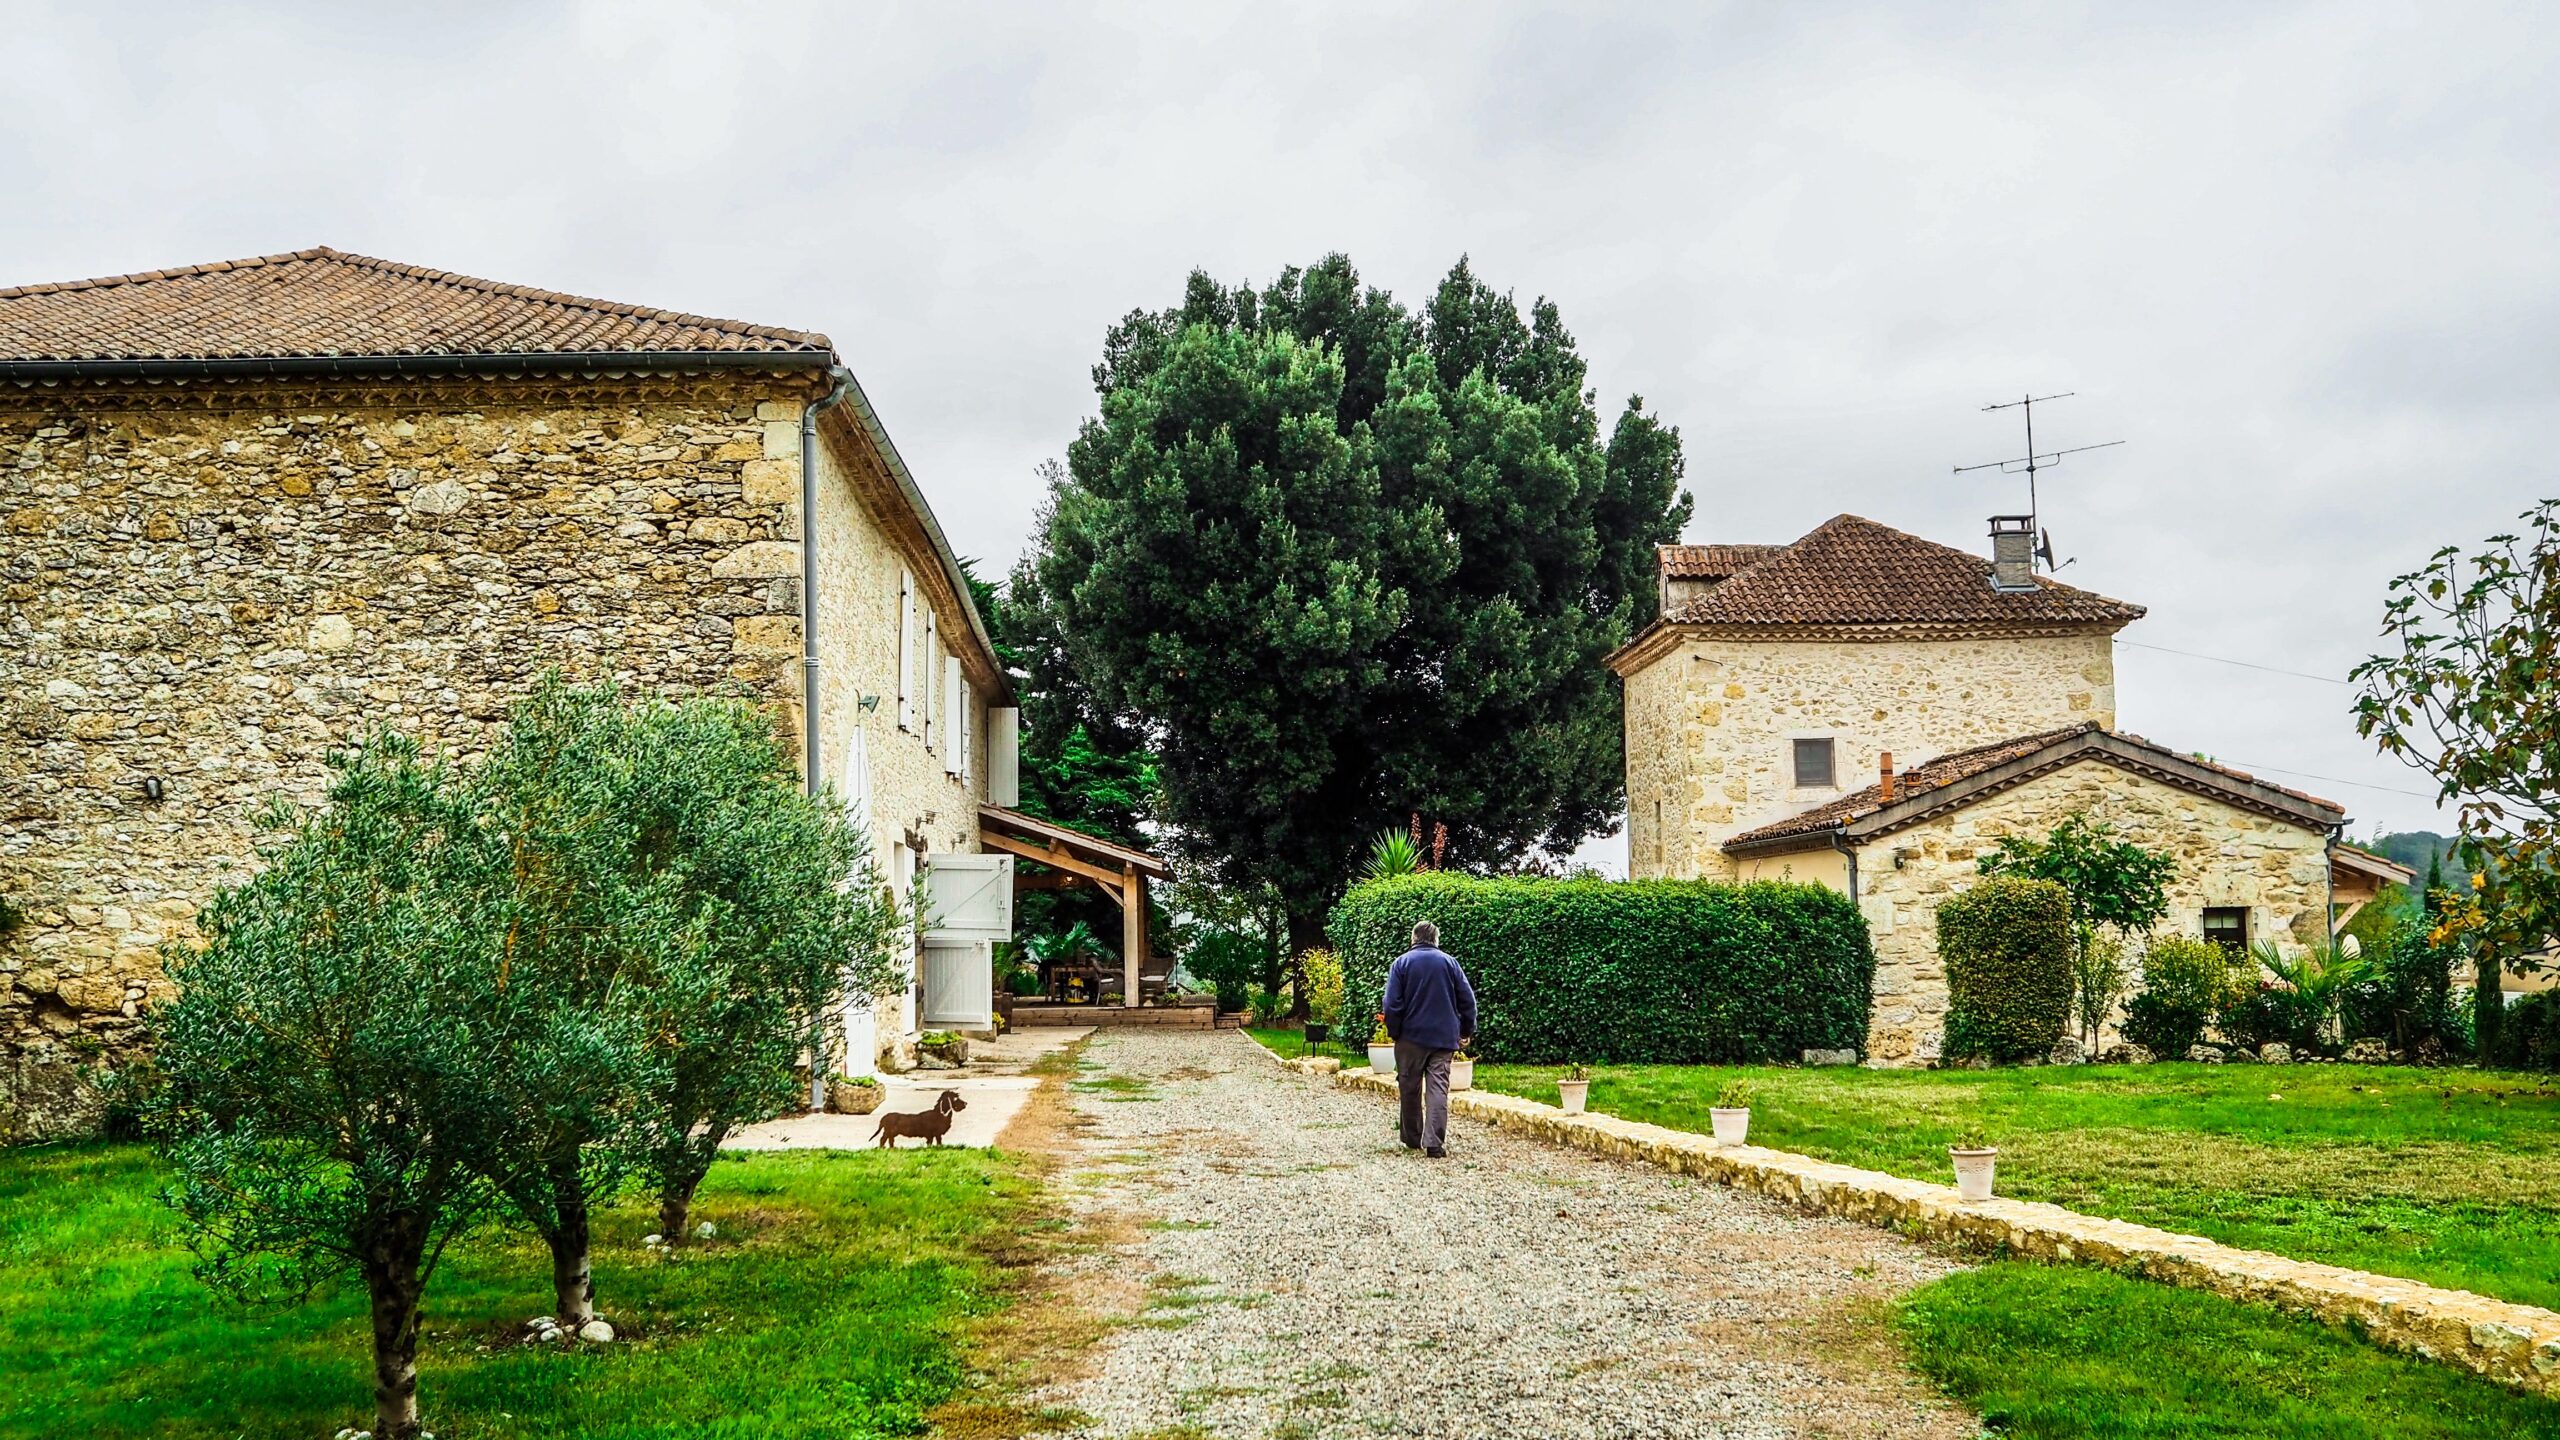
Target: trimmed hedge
(1625,971)
(2006,946)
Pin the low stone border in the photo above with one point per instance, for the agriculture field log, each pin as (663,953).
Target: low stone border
(2518,1345)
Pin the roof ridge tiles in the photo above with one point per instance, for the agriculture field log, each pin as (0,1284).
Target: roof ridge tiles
(331,302)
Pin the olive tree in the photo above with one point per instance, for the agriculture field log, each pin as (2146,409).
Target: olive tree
(772,918)
(324,1091)
(681,916)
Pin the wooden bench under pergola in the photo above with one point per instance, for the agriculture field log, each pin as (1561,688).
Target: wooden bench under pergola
(1074,858)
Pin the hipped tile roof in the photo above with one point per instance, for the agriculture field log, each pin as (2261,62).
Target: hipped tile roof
(324,303)
(1852,571)
(1961,765)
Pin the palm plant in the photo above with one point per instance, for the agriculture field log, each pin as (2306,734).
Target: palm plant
(2314,984)
(1393,854)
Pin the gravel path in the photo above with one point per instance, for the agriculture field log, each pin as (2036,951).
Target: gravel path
(1302,1275)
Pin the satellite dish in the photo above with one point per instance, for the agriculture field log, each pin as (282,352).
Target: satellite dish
(2044,551)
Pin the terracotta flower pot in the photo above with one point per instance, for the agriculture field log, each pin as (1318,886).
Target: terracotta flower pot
(1731,1125)
(1973,1171)
(1571,1095)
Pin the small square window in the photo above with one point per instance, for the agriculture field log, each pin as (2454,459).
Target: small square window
(2228,927)
(1813,765)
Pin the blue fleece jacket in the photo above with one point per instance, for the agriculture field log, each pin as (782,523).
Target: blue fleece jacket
(1429,1001)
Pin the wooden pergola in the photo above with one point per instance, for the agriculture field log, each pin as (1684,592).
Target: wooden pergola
(1075,858)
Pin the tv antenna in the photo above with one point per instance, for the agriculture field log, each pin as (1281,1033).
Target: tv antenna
(2033,461)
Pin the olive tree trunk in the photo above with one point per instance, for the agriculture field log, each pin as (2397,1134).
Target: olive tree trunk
(571,1240)
(392,1285)
(679,1175)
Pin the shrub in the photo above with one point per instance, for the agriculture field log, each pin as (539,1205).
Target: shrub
(2529,1033)
(2006,945)
(1323,970)
(2406,994)
(2185,983)
(1660,971)
(1229,962)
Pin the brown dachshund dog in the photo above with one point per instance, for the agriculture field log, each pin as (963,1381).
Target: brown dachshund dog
(926,1125)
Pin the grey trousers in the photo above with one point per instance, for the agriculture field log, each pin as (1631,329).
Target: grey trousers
(1422,1095)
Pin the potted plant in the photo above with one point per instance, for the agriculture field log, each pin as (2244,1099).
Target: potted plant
(1975,1157)
(1731,1114)
(1382,1051)
(1573,1089)
(854,1095)
(1462,1071)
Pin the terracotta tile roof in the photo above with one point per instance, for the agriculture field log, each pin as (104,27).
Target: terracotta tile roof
(1853,571)
(1711,562)
(1960,765)
(323,303)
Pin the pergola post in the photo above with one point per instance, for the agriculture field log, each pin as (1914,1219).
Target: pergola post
(1133,932)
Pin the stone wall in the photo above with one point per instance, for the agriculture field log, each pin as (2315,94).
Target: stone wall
(2278,870)
(1709,724)
(210,588)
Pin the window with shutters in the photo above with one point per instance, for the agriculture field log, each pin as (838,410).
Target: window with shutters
(933,675)
(953,738)
(906,650)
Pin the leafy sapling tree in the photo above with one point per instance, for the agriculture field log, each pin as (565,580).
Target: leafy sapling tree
(772,916)
(2111,882)
(324,1092)
(2471,695)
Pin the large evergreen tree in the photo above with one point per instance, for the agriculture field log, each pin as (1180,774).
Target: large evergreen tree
(1335,562)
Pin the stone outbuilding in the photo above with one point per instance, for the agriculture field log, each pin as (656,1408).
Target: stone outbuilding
(1766,706)
(249,509)
(2255,861)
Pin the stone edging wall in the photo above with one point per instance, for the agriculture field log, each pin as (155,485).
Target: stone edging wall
(2516,1345)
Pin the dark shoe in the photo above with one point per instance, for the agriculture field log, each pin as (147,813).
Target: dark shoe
(1413,1144)
(1436,1153)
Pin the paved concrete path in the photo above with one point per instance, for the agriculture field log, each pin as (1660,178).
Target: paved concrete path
(1305,1276)
(994,1086)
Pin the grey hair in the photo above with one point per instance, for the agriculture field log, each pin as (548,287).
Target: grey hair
(1425,933)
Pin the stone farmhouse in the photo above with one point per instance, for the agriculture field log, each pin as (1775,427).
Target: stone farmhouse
(249,509)
(1867,710)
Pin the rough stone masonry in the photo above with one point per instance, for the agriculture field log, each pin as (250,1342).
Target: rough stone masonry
(208,587)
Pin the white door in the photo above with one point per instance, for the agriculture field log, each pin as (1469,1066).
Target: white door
(968,897)
(959,983)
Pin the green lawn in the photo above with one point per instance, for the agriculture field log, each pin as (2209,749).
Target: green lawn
(2067,1353)
(830,1305)
(2446,1176)
(1290,1043)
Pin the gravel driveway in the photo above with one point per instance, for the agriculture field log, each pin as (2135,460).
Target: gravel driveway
(1300,1274)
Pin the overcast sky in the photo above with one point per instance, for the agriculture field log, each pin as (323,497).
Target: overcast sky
(2305,260)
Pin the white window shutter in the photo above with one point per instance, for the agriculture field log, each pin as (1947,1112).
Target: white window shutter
(1004,756)
(951,731)
(967,730)
(932,672)
(906,650)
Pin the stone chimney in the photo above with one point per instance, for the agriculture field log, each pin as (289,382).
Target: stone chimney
(2013,553)
(1884,782)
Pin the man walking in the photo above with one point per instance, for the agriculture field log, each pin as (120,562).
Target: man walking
(1431,1015)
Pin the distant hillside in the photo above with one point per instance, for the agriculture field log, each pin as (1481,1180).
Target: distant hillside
(2413,848)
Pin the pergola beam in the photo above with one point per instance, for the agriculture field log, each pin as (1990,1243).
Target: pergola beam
(1056,855)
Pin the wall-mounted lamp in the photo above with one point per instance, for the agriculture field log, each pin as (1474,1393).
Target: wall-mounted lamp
(151,789)
(867,704)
